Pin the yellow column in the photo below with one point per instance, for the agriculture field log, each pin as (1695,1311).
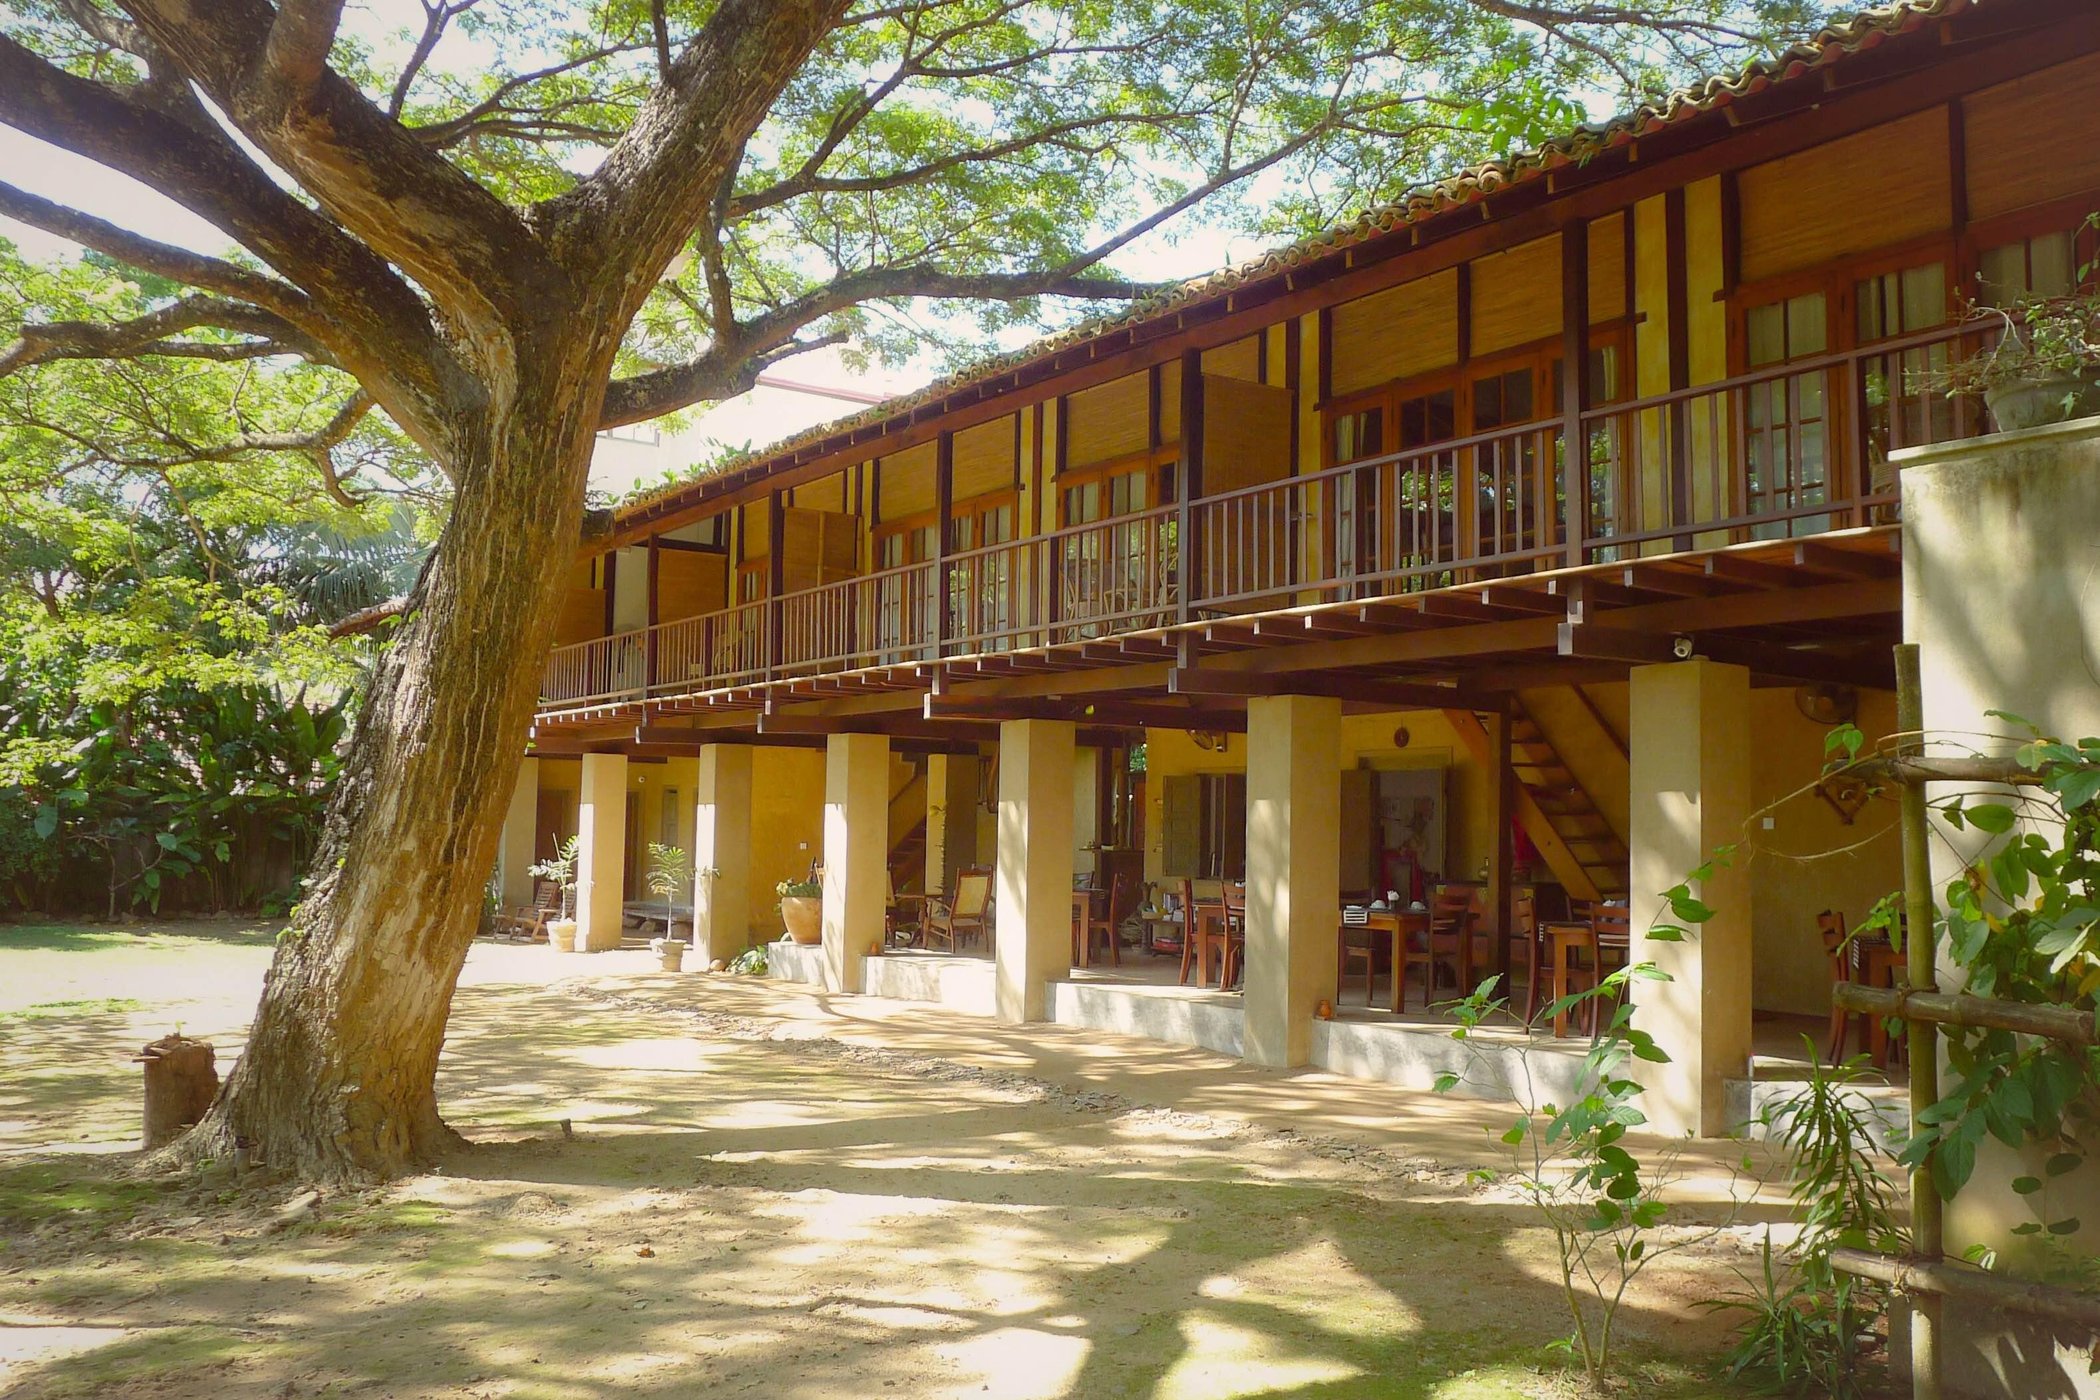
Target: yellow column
(1689,732)
(514,856)
(722,853)
(856,853)
(1294,853)
(601,829)
(1034,888)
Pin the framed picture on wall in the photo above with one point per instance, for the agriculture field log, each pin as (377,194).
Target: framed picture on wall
(1411,818)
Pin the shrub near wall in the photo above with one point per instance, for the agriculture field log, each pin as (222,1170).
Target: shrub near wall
(180,800)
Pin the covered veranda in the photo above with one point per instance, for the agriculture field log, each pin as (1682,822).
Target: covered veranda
(1293,692)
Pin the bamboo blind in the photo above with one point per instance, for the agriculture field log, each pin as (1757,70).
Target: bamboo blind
(1246,433)
(689,583)
(906,483)
(1392,334)
(1109,420)
(1239,360)
(984,458)
(1608,268)
(2021,148)
(1882,186)
(830,493)
(1516,296)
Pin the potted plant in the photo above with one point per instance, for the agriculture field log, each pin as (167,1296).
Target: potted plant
(802,908)
(665,876)
(561,933)
(2042,367)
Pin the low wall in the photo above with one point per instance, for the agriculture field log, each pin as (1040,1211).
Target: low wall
(956,984)
(1207,1020)
(793,962)
(1489,1065)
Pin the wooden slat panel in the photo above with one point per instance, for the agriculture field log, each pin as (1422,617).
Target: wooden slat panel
(1607,268)
(689,583)
(1109,420)
(1239,360)
(984,458)
(2033,140)
(1246,433)
(906,483)
(582,610)
(1516,296)
(751,526)
(1885,185)
(1404,330)
(1170,401)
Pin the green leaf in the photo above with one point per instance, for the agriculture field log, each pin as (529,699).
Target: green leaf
(2061,1163)
(1446,1082)
(2026,1185)
(2066,1226)
(1992,817)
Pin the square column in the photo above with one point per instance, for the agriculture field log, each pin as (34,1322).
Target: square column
(1033,891)
(856,853)
(1691,747)
(722,842)
(514,855)
(601,865)
(1294,871)
(951,817)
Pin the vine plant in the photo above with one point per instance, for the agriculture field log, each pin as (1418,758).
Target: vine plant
(2020,922)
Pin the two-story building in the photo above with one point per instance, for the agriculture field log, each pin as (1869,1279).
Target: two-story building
(1530,533)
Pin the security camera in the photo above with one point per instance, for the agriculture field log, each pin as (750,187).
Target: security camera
(1681,648)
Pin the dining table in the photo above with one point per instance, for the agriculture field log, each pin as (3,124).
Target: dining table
(1397,924)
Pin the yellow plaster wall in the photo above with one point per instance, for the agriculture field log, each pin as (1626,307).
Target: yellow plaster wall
(1366,740)
(787,809)
(1810,860)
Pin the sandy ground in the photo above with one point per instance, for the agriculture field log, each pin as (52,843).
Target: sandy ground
(761,1190)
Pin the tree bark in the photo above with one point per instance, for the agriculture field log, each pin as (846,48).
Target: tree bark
(338,1077)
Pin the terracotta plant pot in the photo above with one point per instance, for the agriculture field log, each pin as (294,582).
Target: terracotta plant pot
(561,935)
(804,917)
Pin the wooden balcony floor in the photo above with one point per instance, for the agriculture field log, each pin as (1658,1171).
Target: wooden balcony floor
(1818,609)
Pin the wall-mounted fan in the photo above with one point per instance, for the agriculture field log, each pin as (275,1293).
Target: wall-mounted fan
(1827,702)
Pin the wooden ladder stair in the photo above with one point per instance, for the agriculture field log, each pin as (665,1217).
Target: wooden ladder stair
(908,850)
(1574,838)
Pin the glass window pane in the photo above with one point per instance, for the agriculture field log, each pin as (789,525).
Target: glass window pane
(1805,330)
(1766,326)
(1924,297)
(2052,265)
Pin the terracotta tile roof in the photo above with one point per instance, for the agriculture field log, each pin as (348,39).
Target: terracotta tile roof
(1842,37)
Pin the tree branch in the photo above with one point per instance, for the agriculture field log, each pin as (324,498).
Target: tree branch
(296,53)
(717,375)
(148,335)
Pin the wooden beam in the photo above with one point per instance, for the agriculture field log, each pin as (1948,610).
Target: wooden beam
(1397,695)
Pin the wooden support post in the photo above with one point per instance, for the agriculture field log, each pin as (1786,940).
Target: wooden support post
(1502,803)
(1191,480)
(1575,382)
(776,579)
(943,542)
(2063,1023)
(1934,1279)
(1926,1225)
(650,619)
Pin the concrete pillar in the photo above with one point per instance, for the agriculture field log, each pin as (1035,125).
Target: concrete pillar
(1034,887)
(722,853)
(514,857)
(951,817)
(601,830)
(1691,753)
(1294,871)
(856,853)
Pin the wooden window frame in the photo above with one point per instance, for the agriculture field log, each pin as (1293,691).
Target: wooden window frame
(1159,462)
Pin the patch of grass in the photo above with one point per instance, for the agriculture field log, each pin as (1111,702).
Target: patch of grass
(101,938)
(39,1193)
(94,1006)
(149,1359)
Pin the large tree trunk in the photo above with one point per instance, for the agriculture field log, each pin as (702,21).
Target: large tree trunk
(338,1079)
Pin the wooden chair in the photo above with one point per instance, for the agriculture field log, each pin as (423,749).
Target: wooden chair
(902,914)
(1233,898)
(530,923)
(1837,948)
(1121,900)
(1611,945)
(1451,920)
(963,914)
(1358,943)
(1523,935)
(1191,928)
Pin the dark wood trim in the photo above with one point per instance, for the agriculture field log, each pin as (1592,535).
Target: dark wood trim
(1369,690)
(1154,427)
(689,546)
(1190,487)
(943,541)
(1464,296)
(1574,383)
(612,567)
(776,577)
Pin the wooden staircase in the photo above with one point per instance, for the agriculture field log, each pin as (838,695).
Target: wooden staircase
(908,846)
(1574,838)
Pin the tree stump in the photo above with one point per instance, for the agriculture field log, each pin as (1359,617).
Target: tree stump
(182,1078)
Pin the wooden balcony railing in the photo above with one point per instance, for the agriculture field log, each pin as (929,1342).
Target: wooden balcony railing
(1792,450)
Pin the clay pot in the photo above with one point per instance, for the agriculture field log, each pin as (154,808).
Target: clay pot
(2039,403)
(561,935)
(670,953)
(804,917)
